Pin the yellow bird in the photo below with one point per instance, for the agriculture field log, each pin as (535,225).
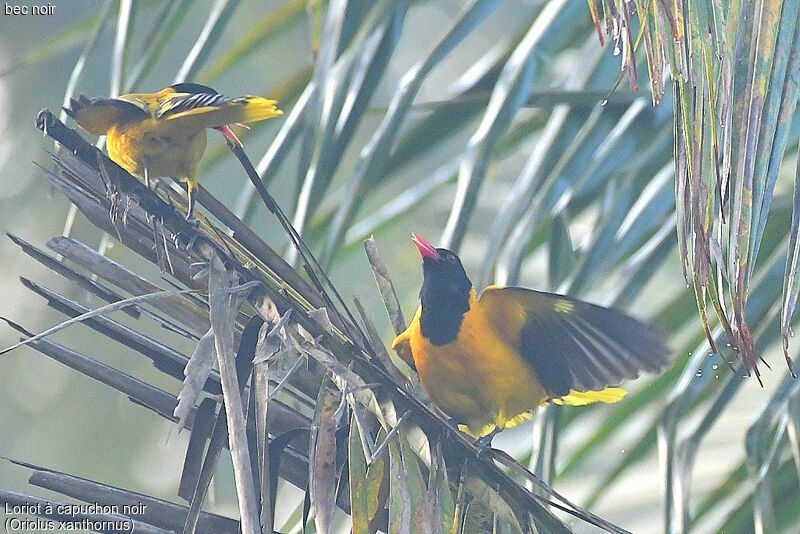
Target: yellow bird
(164,133)
(488,361)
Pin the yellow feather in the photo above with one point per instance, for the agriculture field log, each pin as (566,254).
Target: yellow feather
(519,419)
(402,343)
(480,433)
(581,398)
(509,423)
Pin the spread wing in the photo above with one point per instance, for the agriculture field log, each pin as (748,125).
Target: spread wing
(573,345)
(212,110)
(98,115)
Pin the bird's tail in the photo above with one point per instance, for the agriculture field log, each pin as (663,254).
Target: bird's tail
(257,109)
(581,398)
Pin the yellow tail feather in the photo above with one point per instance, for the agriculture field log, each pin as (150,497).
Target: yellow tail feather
(581,398)
(259,109)
(243,110)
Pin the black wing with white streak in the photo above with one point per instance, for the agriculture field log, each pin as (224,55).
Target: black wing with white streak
(186,102)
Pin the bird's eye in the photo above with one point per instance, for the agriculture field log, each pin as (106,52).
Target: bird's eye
(451,258)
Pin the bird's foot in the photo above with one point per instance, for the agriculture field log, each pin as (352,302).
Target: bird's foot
(157,184)
(195,223)
(186,239)
(484,443)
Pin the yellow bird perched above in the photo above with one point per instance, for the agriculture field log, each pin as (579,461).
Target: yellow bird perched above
(164,133)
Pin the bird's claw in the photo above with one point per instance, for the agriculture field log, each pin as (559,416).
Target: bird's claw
(483,447)
(184,241)
(484,443)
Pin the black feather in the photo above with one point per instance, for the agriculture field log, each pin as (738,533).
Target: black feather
(189,87)
(544,349)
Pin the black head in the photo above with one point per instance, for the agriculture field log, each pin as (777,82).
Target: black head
(193,88)
(445,292)
(442,268)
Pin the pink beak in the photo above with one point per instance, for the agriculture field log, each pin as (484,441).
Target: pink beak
(426,250)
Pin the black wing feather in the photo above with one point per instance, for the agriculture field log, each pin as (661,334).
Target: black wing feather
(553,372)
(600,368)
(191,87)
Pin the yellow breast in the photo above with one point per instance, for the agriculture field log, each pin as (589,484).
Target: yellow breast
(163,150)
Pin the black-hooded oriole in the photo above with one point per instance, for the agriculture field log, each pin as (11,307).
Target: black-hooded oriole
(487,362)
(164,133)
